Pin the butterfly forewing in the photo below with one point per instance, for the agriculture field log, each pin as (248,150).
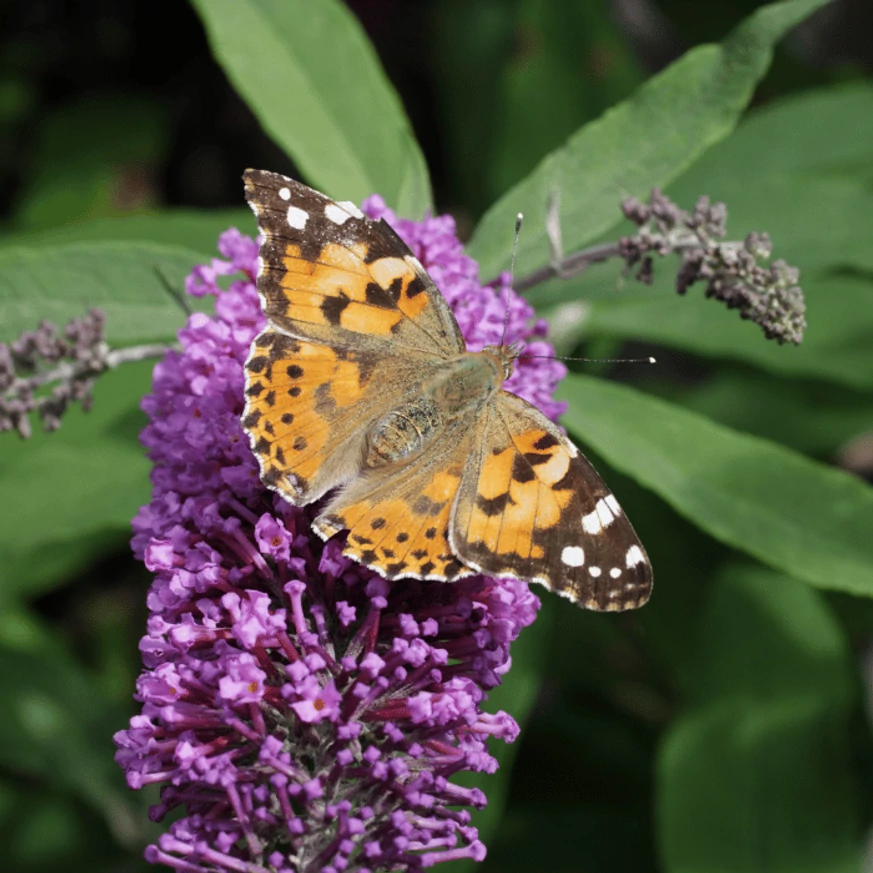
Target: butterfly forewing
(531,506)
(330,275)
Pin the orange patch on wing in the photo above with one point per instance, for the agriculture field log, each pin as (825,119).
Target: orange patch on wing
(386,270)
(397,540)
(290,435)
(327,281)
(443,487)
(342,258)
(346,386)
(365,318)
(496,473)
(296,266)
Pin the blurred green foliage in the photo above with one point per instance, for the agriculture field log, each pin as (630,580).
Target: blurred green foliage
(722,728)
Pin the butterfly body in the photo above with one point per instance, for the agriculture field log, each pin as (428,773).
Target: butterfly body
(464,385)
(361,388)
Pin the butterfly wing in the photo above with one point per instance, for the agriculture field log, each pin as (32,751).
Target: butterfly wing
(398,517)
(309,408)
(531,506)
(355,325)
(329,275)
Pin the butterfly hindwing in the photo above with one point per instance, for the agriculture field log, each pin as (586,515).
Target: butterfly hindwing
(328,274)
(531,506)
(398,516)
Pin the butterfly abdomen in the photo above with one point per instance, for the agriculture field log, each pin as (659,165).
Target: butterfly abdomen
(464,384)
(403,432)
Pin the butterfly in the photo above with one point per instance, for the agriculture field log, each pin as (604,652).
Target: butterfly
(361,388)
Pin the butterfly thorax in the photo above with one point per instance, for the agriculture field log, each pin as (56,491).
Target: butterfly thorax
(464,383)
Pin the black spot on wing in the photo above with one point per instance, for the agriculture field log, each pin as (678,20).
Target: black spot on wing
(332,307)
(494,505)
(521,469)
(546,441)
(415,287)
(425,506)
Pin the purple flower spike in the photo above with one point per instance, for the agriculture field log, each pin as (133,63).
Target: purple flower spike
(302,713)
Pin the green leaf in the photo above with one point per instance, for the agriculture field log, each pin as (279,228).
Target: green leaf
(795,136)
(645,141)
(811,418)
(122,279)
(70,495)
(312,78)
(55,725)
(836,346)
(195,230)
(757,776)
(800,516)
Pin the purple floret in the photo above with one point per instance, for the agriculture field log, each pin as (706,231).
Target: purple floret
(301,712)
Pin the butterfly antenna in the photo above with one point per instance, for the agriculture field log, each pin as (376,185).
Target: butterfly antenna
(518,220)
(649,360)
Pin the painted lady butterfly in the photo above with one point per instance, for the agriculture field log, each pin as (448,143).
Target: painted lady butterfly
(362,380)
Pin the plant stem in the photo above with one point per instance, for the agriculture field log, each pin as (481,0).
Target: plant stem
(72,370)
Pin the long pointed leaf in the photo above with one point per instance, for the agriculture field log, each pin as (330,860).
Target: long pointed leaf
(645,141)
(800,516)
(308,72)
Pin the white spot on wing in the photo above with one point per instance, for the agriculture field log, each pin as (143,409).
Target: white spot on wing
(595,571)
(634,556)
(336,214)
(350,207)
(612,503)
(591,523)
(285,193)
(260,266)
(573,556)
(297,217)
(615,572)
(606,517)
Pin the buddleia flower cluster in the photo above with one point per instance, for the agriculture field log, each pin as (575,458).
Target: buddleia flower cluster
(737,273)
(299,712)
